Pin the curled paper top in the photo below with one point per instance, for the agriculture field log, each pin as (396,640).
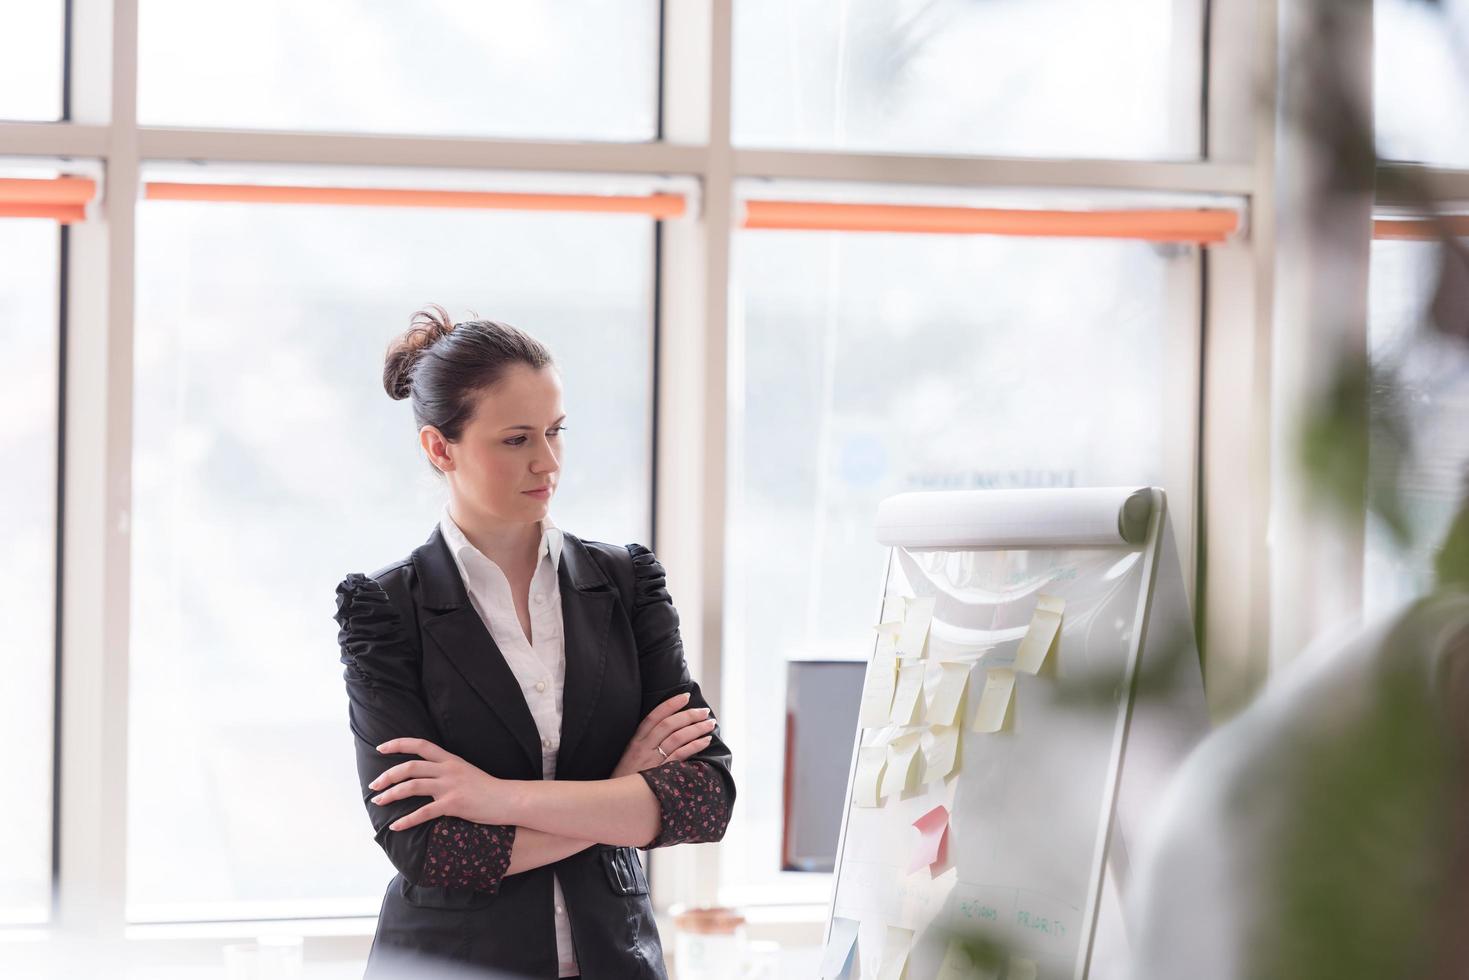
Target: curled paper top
(1044,518)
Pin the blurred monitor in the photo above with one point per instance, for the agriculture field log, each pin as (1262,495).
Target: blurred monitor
(822,699)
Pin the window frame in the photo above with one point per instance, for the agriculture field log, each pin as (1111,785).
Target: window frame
(1231,456)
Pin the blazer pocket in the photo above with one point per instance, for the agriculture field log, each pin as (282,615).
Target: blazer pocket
(441,897)
(624,871)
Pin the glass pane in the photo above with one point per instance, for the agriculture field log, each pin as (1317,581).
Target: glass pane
(1002,77)
(28,335)
(581,70)
(30,60)
(872,364)
(1421,77)
(1434,376)
(268,462)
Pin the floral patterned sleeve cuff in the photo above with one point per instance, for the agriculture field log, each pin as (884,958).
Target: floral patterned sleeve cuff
(464,854)
(692,800)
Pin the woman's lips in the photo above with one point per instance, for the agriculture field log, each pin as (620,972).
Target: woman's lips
(541,494)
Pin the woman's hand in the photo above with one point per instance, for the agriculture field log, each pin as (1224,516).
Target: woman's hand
(679,734)
(458,788)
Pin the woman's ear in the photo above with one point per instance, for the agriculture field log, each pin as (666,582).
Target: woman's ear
(436,447)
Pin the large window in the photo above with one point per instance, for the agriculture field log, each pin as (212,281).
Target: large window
(28,425)
(586,69)
(867,364)
(772,400)
(268,462)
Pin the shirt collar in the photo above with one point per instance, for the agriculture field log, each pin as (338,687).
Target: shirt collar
(550,544)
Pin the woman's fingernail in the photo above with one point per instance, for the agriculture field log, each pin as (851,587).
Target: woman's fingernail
(687,695)
(706,711)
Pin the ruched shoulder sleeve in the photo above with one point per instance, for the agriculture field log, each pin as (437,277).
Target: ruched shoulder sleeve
(385,701)
(695,796)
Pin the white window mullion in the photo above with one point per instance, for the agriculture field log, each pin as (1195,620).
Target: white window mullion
(692,382)
(96,559)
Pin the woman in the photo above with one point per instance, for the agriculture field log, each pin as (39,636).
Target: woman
(522,712)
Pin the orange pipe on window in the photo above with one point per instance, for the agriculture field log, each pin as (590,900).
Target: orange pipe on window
(1419,229)
(1200,226)
(650,205)
(62,199)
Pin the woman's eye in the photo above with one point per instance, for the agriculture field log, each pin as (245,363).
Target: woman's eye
(520,440)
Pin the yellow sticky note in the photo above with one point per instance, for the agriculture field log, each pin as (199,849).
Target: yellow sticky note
(959,965)
(895,946)
(877,690)
(948,694)
(913,640)
(1040,638)
(1021,970)
(942,754)
(909,696)
(994,702)
(871,761)
(902,753)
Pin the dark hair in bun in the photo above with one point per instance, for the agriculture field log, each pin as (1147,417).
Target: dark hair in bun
(442,365)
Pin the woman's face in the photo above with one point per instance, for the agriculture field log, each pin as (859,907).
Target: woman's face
(511,446)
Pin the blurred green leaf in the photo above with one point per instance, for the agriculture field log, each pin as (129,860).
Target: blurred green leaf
(1451,566)
(1354,442)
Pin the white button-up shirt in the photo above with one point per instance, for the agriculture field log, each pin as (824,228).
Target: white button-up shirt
(539,664)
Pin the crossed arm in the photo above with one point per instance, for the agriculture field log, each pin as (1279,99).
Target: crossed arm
(484,827)
(550,819)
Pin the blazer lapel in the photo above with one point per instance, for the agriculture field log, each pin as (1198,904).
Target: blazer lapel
(461,637)
(586,614)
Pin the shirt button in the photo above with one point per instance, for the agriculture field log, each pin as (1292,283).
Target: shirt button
(540,685)
(539,598)
(545,743)
(560,910)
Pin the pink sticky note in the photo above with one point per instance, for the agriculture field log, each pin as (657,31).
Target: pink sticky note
(933,828)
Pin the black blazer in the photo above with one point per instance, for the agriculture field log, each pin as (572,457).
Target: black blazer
(420,663)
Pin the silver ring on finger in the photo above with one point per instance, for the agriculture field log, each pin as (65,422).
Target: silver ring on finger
(661,752)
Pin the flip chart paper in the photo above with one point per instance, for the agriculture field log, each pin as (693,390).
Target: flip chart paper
(898,777)
(908,697)
(895,946)
(837,962)
(942,754)
(871,761)
(914,638)
(877,690)
(931,827)
(1040,638)
(994,703)
(948,694)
